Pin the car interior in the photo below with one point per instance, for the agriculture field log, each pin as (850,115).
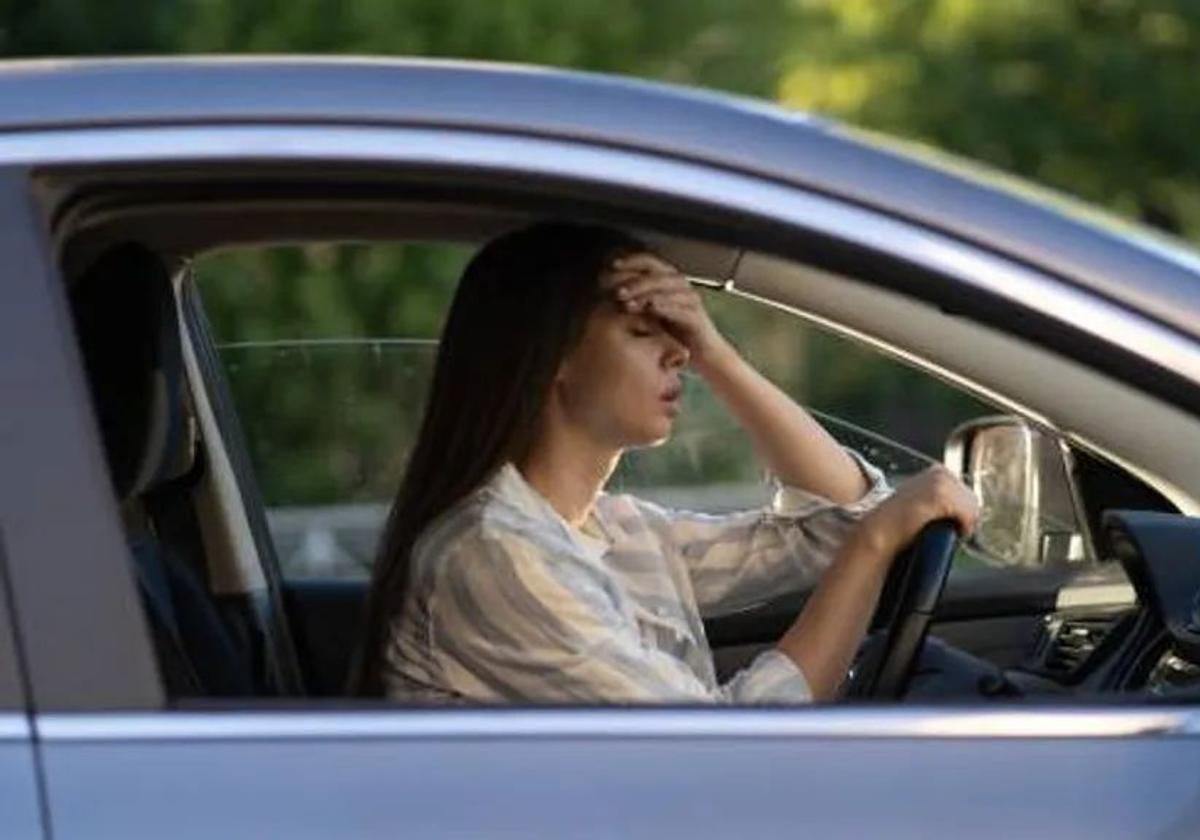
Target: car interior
(228,627)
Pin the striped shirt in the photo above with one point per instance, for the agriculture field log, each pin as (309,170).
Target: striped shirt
(510,603)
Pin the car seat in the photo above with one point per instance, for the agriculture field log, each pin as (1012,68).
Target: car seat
(128,331)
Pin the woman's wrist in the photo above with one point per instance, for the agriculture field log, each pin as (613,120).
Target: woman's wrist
(871,540)
(714,356)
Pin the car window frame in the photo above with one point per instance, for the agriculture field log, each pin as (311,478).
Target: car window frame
(50,438)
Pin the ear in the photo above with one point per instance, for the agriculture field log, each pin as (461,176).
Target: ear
(565,370)
(563,373)
(562,380)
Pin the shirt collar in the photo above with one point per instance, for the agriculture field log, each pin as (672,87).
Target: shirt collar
(509,485)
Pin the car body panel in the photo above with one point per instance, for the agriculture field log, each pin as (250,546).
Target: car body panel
(605,774)
(61,531)
(20,795)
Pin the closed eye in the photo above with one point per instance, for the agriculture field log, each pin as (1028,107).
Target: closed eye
(642,327)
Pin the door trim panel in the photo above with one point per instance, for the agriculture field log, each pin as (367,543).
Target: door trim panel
(813,721)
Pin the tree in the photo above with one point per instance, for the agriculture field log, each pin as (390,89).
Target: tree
(1099,98)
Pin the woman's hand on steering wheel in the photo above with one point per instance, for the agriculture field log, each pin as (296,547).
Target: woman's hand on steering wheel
(912,532)
(931,495)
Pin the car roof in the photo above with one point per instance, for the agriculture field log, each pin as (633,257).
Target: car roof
(1157,276)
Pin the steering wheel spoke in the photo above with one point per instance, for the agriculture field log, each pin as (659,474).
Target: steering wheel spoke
(906,606)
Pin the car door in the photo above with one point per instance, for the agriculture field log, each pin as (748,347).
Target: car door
(119,759)
(43,454)
(20,792)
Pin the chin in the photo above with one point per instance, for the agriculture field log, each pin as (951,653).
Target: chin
(651,437)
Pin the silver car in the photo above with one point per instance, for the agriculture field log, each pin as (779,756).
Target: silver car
(174,633)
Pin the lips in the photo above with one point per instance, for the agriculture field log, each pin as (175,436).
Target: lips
(673,393)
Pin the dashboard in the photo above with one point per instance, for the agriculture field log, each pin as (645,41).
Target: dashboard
(1156,648)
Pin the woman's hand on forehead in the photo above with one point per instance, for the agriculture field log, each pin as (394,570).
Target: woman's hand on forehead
(633,277)
(645,284)
(641,262)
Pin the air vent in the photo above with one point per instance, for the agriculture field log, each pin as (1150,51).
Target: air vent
(1068,642)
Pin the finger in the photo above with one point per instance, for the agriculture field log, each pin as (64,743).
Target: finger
(973,512)
(627,285)
(613,278)
(678,319)
(682,300)
(676,302)
(653,285)
(667,308)
(636,279)
(965,509)
(644,261)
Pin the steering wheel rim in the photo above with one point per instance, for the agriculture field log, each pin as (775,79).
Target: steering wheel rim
(906,605)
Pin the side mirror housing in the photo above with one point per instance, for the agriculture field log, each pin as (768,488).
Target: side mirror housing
(1029,503)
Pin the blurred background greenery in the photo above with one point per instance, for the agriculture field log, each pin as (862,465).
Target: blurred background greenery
(1097,98)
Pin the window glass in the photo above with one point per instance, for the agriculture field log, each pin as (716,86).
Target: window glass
(329,350)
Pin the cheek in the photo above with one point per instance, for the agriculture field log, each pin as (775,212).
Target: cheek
(631,372)
(616,378)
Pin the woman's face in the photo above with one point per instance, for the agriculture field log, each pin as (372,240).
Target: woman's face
(621,383)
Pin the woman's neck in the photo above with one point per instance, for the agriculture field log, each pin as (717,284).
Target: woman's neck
(569,474)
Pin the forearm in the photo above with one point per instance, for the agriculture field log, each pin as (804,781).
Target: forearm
(792,444)
(824,638)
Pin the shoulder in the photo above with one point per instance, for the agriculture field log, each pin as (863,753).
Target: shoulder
(468,527)
(509,566)
(484,536)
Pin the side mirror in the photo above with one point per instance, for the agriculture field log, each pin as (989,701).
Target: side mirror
(1029,514)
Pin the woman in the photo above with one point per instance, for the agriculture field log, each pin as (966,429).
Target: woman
(506,574)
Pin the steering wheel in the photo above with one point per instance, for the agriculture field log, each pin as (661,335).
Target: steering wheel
(906,604)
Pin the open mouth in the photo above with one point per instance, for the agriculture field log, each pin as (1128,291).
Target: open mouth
(672,394)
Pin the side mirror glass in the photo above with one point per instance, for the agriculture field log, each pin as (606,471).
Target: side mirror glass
(1028,511)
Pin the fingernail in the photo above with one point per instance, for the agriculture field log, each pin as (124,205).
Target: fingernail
(622,293)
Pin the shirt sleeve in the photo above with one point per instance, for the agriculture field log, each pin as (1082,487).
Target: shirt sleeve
(737,559)
(512,625)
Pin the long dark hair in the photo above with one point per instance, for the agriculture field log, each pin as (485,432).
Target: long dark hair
(520,307)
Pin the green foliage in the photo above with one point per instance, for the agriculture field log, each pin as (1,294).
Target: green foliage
(692,41)
(329,420)
(87,27)
(330,291)
(1100,98)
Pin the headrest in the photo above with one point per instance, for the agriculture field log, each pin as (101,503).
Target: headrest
(128,331)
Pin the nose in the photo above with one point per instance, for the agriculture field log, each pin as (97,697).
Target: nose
(677,354)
